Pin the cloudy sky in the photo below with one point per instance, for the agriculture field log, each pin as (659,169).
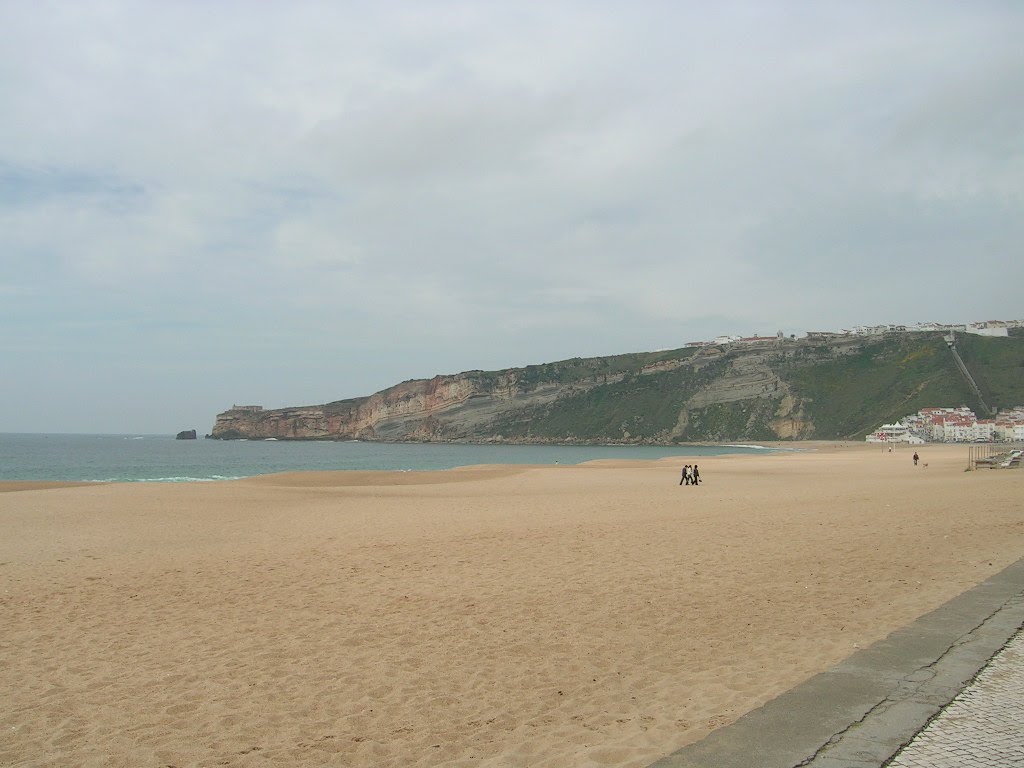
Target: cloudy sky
(285,203)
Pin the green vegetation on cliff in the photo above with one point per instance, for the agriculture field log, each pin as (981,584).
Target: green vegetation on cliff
(588,369)
(639,407)
(738,420)
(997,366)
(837,388)
(899,374)
(843,393)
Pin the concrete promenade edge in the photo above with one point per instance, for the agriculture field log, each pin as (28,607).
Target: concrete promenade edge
(860,712)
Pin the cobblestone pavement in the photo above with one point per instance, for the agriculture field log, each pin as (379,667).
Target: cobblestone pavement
(983,727)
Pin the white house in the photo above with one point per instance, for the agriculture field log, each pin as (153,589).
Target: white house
(893,433)
(984,430)
(987,331)
(958,430)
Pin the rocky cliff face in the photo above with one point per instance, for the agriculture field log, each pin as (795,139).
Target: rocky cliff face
(483,406)
(458,407)
(783,389)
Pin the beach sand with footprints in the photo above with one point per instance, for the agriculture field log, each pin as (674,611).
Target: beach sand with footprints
(592,615)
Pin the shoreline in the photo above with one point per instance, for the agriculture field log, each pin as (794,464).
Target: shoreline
(224,469)
(233,467)
(13,486)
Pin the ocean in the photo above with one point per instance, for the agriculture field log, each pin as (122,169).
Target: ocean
(160,458)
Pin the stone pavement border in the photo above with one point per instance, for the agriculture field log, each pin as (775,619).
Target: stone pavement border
(982,727)
(862,711)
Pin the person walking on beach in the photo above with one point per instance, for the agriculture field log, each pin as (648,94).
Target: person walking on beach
(916,457)
(685,479)
(696,475)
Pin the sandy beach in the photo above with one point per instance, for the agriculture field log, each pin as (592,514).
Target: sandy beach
(597,615)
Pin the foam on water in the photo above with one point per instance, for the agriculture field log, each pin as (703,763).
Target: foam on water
(182,479)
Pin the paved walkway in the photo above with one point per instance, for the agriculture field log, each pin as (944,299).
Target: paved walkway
(984,724)
(946,691)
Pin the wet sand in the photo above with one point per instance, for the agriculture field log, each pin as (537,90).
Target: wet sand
(490,616)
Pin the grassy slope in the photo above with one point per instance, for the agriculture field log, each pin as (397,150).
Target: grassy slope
(639,407)
(899,375)
(845,397)
(578,369)
(740,420)
(997,365)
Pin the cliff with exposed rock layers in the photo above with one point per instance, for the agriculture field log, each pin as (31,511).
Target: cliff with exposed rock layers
(770,390)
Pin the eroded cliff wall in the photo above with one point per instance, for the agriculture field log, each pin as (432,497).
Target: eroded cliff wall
(512,405)
(459,407)
(782,389)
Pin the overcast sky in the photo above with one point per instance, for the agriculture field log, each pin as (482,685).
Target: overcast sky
(287,203)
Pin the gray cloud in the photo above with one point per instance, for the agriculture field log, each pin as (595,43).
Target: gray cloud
(299,202)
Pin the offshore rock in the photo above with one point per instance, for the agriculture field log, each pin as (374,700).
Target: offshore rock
(188,434)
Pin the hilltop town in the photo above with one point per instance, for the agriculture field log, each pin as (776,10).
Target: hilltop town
(980,328)
(953,425)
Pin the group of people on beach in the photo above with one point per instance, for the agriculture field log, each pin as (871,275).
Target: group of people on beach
(691,475)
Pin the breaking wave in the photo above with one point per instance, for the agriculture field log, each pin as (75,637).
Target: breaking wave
(180,479)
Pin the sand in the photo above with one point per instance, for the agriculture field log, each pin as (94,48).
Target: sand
(597,615)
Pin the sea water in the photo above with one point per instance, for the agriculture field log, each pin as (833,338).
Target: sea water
(160,458)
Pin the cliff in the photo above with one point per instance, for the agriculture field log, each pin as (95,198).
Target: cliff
(779,389)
